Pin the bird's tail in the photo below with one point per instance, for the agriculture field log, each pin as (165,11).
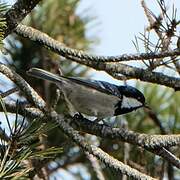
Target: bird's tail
(42,74)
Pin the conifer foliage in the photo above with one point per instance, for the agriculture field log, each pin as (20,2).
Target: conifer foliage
(39,139)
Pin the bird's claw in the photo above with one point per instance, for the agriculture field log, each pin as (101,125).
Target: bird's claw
(78,116)
(102,120)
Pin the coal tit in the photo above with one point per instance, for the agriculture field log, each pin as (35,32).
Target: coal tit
(94,98)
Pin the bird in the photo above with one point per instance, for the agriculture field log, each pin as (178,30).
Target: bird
(94,98)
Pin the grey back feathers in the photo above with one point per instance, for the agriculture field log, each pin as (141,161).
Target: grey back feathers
(94,98)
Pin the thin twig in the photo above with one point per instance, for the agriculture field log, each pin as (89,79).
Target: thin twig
(170,157)
(9,92)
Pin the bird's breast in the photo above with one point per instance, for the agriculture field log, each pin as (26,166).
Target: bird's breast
(90,101)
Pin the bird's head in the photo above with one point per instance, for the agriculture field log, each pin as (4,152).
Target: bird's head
(132,99)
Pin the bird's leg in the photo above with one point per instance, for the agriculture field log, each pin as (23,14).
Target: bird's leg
(97,120)
(76,119)
(78,116)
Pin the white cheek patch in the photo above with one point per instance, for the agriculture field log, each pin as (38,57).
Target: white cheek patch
(128,102)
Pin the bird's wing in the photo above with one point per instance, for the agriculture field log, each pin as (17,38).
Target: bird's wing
(101,86)
(42,74)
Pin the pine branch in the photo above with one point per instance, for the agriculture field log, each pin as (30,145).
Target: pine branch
(31,95)
(22,146)
(138,73)
(152,143)
(68,130)
(104,131)
(18,12)
(67,52)
(3,27)
(114,68)
(97,152)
